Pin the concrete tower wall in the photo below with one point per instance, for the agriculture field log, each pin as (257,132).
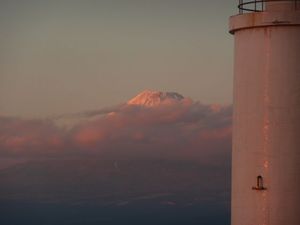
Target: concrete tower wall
(281,5)
(266,129)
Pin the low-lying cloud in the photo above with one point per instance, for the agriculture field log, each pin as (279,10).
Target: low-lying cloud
(184,129)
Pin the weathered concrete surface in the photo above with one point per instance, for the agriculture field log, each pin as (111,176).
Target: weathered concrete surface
(266,129)
(281,6)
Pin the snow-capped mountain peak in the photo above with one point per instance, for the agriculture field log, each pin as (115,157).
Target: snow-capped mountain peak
(154,98)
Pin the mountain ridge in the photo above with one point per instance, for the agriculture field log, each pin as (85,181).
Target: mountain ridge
(150,98)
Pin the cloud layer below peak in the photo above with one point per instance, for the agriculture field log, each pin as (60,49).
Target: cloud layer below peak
(181,129)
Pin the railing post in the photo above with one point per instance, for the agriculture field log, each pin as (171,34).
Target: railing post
(240,4)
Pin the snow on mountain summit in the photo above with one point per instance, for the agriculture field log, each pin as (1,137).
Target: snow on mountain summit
(155,98)
(145,99)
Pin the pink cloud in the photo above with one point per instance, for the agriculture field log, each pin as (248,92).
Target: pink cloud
(179,129)
(15,142)
(27,136)
(89,136)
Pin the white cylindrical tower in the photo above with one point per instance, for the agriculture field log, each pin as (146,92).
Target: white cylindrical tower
(266,127)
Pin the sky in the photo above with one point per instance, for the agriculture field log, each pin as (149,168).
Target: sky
(66,69)
(69,56)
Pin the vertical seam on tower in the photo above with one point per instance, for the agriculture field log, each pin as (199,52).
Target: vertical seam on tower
(266,122)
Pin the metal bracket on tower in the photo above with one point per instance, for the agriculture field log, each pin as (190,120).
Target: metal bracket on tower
(259,184)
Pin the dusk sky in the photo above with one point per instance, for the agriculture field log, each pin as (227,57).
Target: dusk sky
(115,112)
(69,56)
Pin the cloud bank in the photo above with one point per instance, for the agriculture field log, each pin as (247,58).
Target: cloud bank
(179,129)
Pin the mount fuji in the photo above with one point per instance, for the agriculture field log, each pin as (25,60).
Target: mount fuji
(155,98)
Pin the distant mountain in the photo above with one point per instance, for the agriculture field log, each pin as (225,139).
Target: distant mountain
(155,98)
(148,99)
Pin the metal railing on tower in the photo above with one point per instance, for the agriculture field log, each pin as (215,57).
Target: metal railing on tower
(260,5)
